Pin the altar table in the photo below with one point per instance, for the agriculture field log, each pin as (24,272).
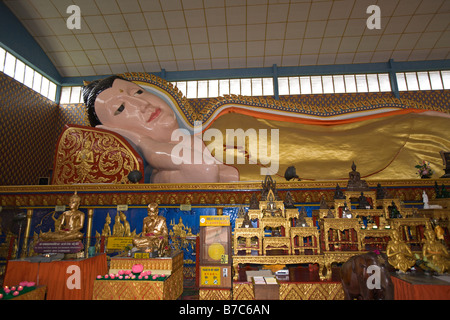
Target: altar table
(65,279)
(169,289)
(410,287)
(323,290)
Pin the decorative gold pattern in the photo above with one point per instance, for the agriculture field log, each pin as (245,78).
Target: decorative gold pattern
(305,232)
(217,193)
(248,234)
(311,291)
(243,291)
(173,263)
(36,294)
(170,289)
(214,294)
(294,291)
(88,155)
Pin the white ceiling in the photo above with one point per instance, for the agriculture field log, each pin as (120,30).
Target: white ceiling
(119,36)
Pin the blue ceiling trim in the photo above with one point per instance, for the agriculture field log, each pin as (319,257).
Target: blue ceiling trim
(275,71)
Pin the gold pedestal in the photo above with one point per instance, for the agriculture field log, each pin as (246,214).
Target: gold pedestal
(169,289)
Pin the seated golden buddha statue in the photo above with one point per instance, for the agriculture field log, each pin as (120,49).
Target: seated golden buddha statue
(399,254)
(435,253)
(155,234)
(70,224)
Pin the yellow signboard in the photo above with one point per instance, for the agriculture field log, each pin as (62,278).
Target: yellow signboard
(141,255)
(214,221)
(118,243)
(210,276)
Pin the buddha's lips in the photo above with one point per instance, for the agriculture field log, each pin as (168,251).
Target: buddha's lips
(154,115)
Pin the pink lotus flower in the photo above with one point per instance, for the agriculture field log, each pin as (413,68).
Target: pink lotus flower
(120,277)
(146,277)
(137,268)
(113,277)
(7,290)
(23,283)
(13,288)
(1,296)
(19,288)
(31,284)
(154,277)
(99,277)
(120,272)
(106,276)
(15,293)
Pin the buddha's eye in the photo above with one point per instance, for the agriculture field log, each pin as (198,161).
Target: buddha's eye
(138,92)
(120,109)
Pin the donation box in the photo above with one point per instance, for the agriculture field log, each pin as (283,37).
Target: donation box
(215,252)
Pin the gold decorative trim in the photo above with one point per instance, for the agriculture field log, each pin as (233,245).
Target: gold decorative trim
(214,294)
(202,194)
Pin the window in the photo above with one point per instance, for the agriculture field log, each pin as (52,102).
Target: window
(70,95)
(423,80)
(10,65)
(2,59)
(348,83)
(215,88)
(295,85)
(23,73)
(339,84)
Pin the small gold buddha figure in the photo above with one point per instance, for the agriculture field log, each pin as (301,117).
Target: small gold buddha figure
(435,253)
(106,232)
(126,225)
(118,228)
(155,234)
(71,223)
(399,254)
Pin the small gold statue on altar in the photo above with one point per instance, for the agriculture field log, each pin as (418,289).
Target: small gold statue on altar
(155,234)
(399,254)
(435,253)
(70,225)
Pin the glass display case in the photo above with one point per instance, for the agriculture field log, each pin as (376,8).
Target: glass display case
(215,252)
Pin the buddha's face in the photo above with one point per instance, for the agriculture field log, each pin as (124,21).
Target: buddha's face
(152,209)
(127,106)
(74,203)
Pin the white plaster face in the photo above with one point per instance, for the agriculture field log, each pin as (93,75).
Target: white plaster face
(127,106)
